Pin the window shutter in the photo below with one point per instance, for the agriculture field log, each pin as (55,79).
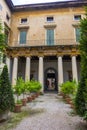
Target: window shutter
(50,36)
(77,34)
(23,37)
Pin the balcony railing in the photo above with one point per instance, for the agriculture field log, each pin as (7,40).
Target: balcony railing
(45,42)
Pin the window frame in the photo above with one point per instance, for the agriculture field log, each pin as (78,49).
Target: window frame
(49,17)
(76,38)
(78,17)
(53,38)
(19,37)
(24,19)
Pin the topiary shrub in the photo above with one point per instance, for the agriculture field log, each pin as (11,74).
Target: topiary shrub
(81,100)
(6,92)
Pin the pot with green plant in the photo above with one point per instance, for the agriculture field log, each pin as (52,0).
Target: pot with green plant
(35,88)
(6,95)
(18,92)
(69,89)
(23,91)
(27,85)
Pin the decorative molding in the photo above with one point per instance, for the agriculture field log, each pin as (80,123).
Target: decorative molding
(42,51)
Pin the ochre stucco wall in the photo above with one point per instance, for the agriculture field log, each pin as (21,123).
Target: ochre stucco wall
(63,21)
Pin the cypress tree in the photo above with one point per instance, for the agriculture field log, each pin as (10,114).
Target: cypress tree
(6,93)
(81,96)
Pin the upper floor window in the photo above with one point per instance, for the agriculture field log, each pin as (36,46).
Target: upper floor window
(77,33)
(7,17)
(6,34)
(77,17)
(23,36)
(0,7)
(24,20)
(50,36)
(50,19)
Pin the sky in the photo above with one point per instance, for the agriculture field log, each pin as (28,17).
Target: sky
(19,2)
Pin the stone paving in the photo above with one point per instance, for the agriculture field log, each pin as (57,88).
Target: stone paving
(55,115)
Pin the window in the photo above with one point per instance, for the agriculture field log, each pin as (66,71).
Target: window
(50,37)
(24,20)
(7,17)
(77,32)
(23,34)
(77,17)
(0,7)
(50,19)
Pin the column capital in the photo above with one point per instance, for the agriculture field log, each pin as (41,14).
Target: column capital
(59,55)
(40,56)
(27,56)
(15,56)
(73,54)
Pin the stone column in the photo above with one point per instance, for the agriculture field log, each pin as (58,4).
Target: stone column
(60,71)
(41,74)
(15,69)
(8,64)
(74,68)
(27,71)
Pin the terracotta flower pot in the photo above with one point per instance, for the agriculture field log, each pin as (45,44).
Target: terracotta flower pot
(33,96)
(68,100)
(24,102)
(17,108)
(29,99)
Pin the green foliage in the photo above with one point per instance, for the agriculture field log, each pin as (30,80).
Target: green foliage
(19,88)
(34,86)
(81,100)
(69,87)
(6,93)
(85,116)
(2,38)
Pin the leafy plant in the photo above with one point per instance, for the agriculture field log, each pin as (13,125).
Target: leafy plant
(69,87)
(2,38)
(6,93)
(35,86)
(19,87)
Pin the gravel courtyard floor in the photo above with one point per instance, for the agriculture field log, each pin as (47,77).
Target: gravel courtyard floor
(54,115)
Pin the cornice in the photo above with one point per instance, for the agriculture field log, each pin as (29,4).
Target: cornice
(42,51)
(45,6)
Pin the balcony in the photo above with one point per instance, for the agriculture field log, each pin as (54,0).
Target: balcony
(37,43)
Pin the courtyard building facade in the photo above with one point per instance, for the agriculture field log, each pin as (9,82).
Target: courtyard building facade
(43,42)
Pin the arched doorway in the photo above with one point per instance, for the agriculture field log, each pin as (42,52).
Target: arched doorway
(50,80)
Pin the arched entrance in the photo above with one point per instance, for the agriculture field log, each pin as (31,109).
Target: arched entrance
(50,80)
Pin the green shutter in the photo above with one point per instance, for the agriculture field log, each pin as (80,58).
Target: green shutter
(23,37)
(77,34)
(50,36)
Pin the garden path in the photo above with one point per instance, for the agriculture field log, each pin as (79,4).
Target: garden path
(53,114)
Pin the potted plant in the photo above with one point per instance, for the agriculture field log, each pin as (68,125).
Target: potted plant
(23,91)
(27,85)
(34,88)
(6,95)
(18,91)
(69,89)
